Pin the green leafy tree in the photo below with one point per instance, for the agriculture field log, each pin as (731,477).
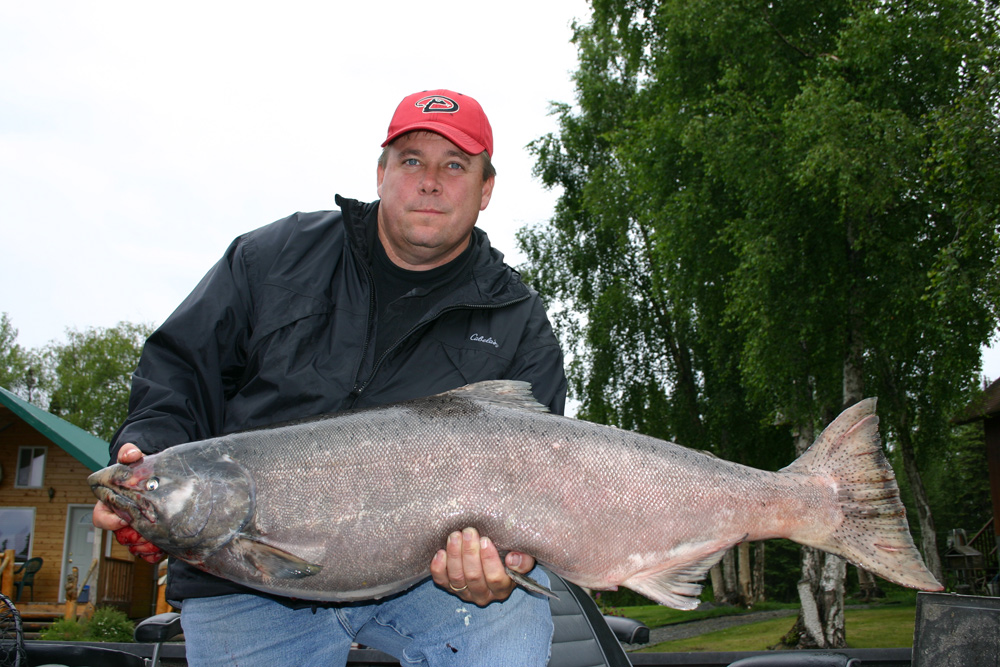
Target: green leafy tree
(775,209)
(17,365)
(644,326)
(88,377)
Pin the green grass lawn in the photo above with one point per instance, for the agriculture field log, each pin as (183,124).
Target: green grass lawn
(655,616)
(888,626)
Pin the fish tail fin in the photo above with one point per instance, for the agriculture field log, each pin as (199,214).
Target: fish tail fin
(873,532)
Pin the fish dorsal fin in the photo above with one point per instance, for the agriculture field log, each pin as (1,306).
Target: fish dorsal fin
(512,393)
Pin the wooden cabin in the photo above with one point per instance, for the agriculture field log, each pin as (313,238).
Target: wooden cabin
(45,512)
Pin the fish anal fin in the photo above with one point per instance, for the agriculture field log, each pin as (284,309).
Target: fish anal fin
(274,562)
(675,584)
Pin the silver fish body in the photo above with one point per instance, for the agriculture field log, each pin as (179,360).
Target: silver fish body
(353,506)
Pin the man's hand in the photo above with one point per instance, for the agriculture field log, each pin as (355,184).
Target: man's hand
(470,567)
(106,519)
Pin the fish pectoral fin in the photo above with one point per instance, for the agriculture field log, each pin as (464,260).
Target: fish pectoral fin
(675,585)
(529,584)
(274,562)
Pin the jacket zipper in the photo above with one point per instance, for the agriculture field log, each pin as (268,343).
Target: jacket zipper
(358,388)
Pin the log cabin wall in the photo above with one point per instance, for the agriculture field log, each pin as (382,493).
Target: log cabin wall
(63,484)
(62,487)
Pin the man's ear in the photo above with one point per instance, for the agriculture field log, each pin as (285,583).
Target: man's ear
(487,192)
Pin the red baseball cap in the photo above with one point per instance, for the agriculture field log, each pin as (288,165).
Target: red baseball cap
(454,116)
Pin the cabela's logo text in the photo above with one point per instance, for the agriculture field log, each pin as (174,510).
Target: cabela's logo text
(483,339)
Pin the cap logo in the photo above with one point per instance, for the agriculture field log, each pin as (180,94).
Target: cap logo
(437,104)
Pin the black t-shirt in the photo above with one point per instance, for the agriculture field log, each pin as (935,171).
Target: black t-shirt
(403,296)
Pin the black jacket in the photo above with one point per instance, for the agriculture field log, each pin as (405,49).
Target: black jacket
(283,327)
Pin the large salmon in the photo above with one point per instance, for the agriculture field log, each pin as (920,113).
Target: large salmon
(354,505)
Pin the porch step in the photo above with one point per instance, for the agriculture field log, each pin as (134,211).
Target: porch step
(34,622)
(37,617)
(34,629)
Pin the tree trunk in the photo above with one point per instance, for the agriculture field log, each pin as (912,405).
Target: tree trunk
(746,596)
(729,574)
(870,589)
(718,584)
(854,383)
(759,593)
(928,537)
(808,629)
(832,585)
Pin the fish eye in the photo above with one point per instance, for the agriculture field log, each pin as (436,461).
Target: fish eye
(152,483)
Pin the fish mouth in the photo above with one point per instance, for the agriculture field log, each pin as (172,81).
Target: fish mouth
(128,505)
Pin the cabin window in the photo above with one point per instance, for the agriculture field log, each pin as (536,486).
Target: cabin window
(17,525)
(30,467)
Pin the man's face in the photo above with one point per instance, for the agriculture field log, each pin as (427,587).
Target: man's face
(432,192)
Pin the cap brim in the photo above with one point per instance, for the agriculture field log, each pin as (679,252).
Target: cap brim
(454,135)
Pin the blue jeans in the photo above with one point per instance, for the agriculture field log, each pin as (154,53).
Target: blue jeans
(425,626)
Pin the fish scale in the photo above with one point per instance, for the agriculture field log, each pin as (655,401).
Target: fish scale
(353,506)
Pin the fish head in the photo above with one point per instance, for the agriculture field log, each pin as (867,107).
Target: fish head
(190,502)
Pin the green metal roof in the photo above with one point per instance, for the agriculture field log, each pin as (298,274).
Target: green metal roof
(86,448)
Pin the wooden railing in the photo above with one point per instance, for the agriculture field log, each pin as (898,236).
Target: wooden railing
(116,583)
(985,542)
(972,566)
(7,573)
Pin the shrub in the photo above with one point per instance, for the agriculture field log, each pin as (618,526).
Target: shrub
(64,630)
(106,625)
(109,625)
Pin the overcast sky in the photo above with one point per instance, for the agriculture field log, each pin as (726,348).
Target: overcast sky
(138,139)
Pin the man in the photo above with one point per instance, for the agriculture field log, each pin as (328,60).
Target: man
(328,311)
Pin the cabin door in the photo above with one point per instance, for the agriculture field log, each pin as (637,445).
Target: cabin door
(79,546)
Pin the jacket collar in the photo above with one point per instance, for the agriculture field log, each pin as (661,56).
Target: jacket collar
(361,225)
(494,283)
